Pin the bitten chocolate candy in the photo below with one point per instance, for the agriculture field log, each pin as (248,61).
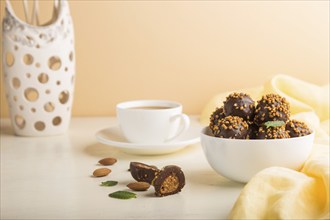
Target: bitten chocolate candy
(170,180)
(142,172)
(278,132)
(297,128)
(271,107)
(217,115)
(231,127)
(239,104)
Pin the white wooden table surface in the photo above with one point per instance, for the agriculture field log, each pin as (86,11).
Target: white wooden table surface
(50,178)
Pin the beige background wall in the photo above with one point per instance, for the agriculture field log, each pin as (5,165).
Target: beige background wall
(189,51)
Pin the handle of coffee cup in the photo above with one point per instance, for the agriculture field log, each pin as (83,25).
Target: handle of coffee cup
(184,124)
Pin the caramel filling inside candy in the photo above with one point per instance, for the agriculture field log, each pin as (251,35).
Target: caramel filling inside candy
(170,184)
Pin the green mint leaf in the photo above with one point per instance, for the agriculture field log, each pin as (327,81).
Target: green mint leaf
(274,123)
(122,195)
(109,183)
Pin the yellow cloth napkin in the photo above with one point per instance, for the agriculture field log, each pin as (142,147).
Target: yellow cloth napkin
(281,193)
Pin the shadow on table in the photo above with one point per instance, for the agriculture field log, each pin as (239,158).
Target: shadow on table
(211,178)
(100,150)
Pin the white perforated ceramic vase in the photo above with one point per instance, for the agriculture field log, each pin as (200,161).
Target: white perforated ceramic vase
(39,69)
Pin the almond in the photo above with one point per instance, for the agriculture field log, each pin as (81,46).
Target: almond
(108,161)
(138,186)
(101,172)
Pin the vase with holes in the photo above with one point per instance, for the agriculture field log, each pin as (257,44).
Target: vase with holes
(39,69)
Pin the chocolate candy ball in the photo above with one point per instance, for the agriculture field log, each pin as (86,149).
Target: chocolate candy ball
(272,132)
(239,104)
(233,127)
(170,180)
(271,107)
(142,172)
(297,128)
(252,131)
(217,115)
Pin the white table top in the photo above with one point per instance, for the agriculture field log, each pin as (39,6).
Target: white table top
(50,177)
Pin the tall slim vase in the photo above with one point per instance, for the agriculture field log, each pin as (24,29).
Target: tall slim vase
(39,71)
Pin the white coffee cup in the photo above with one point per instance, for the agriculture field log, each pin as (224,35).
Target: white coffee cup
(151,121)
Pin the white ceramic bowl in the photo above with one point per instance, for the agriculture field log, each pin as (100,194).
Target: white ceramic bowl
(239,160)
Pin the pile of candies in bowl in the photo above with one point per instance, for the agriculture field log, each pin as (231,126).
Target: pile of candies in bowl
(244,137)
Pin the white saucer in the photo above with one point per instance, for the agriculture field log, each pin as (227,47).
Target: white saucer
(113,136)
